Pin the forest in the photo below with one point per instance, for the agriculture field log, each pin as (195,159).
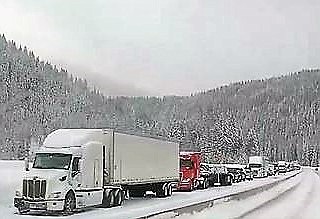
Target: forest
(276,117)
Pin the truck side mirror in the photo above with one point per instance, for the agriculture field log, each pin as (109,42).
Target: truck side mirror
(26,164)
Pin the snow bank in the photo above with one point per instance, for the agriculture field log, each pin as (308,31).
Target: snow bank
(11,178)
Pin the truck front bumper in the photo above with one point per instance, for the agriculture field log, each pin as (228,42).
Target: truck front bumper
(25,205)
(184,186)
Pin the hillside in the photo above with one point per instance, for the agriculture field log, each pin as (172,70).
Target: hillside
(278,117)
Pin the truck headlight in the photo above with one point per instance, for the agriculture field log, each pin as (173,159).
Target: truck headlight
(18,193)
(55,194)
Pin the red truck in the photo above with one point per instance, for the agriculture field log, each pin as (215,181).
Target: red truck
(189,171)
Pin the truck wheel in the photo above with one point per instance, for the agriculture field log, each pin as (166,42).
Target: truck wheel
(229,181)
(169,190)
(118,197)
(69,204)
(162,191)
(191,187)
(22,210)
(205,184)
(166,190)
(223,181)
(108,199)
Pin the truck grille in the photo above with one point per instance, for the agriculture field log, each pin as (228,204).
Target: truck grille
(34,189)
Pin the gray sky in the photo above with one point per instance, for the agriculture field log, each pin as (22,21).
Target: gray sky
(147,47)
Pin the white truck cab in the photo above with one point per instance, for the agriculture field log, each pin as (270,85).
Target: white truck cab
(66,173)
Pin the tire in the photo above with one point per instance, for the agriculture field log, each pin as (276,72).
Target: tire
(22,211)
(223,181)
(69,204)
(169,190)
(161,191)
(192,187)
(166,190)
(205,184)
(118,197)
(201,185)
(229,180)
(108,199)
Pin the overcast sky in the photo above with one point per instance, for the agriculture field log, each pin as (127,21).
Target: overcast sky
(147,47)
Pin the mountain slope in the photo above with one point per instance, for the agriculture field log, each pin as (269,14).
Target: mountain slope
(278,117)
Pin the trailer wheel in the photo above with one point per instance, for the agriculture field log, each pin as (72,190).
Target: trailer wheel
(169,190)
(111,198)
(229,181)
(161,191)
(207,183)
(118,197)
(223,181)
(69,204)
(191,187)
(108,199)
(166,190)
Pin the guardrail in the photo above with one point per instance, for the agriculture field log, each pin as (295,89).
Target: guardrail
(209,203)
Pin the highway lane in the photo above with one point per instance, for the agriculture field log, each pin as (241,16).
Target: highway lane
(296,198)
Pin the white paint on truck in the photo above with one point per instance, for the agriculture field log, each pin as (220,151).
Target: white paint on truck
(77,168)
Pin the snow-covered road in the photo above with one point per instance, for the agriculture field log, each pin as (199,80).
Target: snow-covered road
(296,198)
(11,172)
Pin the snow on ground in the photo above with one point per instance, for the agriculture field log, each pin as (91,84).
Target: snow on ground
(11,172)
(296,198)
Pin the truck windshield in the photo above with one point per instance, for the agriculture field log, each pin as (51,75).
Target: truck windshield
(255,165)
(186,163)
(52,161)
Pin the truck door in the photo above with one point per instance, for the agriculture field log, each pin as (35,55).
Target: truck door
(76,173)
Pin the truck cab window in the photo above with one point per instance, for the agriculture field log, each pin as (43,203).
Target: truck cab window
(75,164)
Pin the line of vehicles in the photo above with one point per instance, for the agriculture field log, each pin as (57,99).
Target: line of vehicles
(197,175)
(80,168)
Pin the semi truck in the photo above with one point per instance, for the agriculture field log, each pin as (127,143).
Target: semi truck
(79,168)
(189,171)
(259,166)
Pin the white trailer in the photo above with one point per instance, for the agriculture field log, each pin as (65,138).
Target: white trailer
(78,168)
(259,166)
